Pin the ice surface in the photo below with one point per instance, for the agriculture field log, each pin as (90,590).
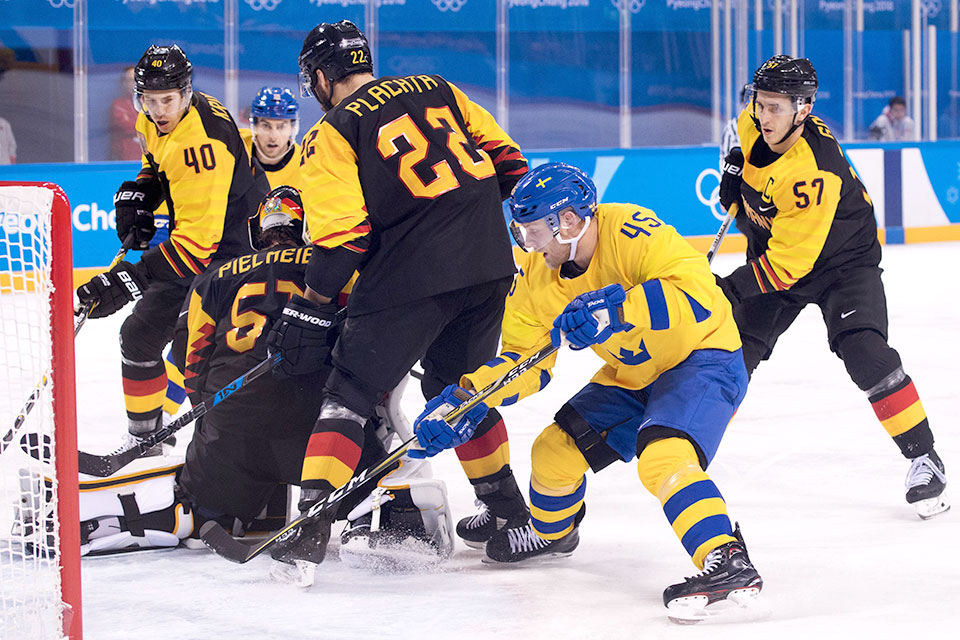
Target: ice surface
(805,467)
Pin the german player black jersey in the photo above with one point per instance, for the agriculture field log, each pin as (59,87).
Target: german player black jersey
(222,333)
(209,184)
(408,174)
(805,214)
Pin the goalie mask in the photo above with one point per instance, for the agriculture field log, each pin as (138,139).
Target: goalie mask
(282,210)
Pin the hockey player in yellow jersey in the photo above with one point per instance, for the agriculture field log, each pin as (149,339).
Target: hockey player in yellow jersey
(195,162)
(271,138)
(617,279)
(812,239)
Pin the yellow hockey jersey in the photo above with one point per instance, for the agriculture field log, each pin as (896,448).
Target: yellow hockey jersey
(805,212)
(209,185)
(672,302)
(284,172)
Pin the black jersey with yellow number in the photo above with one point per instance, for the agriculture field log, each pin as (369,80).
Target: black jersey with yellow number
(805,214)
(223,334)
(408,174)
(209,184)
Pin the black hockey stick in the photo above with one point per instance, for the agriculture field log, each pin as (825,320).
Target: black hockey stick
(722,232)
(223,544)
(77,325)
(103,466)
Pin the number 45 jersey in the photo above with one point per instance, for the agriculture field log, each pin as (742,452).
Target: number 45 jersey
(410,173)
(805,212)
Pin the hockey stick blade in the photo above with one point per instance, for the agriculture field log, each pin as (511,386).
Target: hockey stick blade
(106,465)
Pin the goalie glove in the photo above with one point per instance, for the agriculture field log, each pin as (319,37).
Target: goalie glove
(591,318)
(134,203)
(109,292)
(432,431)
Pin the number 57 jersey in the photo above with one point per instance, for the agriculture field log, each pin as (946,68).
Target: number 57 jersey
(410,173)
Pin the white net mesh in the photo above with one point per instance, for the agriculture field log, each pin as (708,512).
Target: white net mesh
(30,601)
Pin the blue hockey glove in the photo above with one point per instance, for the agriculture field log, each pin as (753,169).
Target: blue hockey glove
(591,318)
(433,432)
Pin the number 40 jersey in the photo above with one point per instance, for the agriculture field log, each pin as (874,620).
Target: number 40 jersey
(409,175)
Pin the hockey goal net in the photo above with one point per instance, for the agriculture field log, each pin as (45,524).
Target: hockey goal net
(39,519)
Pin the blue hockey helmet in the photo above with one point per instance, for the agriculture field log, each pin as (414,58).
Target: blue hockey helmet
(276,103)
(543,194)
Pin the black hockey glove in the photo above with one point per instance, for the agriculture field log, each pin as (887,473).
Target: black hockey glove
(731,170)
(301,335)
(134,203)
(310,541)
(109,291)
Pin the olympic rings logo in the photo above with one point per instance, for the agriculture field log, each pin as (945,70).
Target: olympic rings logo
(263,5)
(633,5)
(931,8)
(713,200)
(449,5)
(59,4)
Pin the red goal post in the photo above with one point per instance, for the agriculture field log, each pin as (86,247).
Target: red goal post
(41,545)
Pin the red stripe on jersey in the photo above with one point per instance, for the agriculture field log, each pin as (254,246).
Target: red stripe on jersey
(335,445)
(758,276)
(360,229)
(891,405)
(211,249)
(170,260)
(484,445)
(771,274)
(144,387)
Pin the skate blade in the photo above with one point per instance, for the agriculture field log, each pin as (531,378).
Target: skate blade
(474,544)
(409,556)
(931,507)
(299,574)
(535,560)
(740,605)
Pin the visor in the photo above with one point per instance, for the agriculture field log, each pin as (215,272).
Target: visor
(534,235)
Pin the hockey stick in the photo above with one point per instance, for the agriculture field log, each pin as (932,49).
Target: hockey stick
(103,466)
(77,325)
(223,544)
(722,232)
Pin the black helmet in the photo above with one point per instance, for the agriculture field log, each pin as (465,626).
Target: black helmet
(337,50)
(794,77)
(281,208)
(162,69)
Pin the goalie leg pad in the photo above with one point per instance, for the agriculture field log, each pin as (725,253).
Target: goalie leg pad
(403,525)
(133,511)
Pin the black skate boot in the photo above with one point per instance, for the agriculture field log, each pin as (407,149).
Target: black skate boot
(728,577)
(926,483)
(475,530)
(501,505)
(521,543)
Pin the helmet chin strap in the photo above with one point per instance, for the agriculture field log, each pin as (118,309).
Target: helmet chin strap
(570,269)
(792,129)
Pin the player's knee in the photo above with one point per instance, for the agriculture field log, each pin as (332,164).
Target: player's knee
(662,463)
(555,460)
(867,357)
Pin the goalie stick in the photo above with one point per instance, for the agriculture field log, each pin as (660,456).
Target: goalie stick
(226,546)
(106,465)
(82,315)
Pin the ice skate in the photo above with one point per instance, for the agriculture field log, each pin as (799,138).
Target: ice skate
(386,550)
(475,530)
(522,544)
(926,485)
(727,589)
